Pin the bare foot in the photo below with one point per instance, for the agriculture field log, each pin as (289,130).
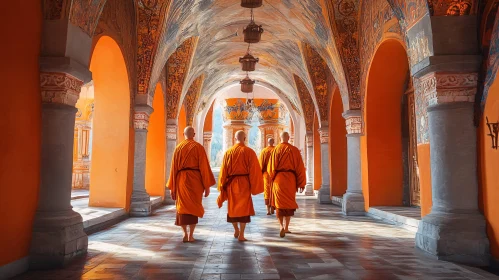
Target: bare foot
(287,231)
(242,239)
(268,214)
(236,234)
(282,233)
(191,239)
(185,239)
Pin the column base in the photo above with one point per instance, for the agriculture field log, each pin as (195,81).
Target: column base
(168,199)
(353,204)
(454,237)
(309,190)
(140,205)
(324,195)
(57,238)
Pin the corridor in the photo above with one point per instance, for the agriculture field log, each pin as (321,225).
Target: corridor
(324,245)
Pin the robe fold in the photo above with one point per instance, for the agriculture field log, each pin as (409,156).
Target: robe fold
(287,172)
(190,176)
(240,177)
(267,183)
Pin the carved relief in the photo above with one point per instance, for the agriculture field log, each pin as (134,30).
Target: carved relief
(60,88)
(438,88)
(309,140)
(307,103)
(343,15)
(177,68)
(452,7)
(192,97)
(151,21)
(171,132)
(324,135)
(353,124)
(141,120)
(85,14)
(322,80)
(409,12)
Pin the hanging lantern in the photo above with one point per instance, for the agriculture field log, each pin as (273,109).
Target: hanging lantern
(248,62)
(252,33)
(251,3)
(247,85)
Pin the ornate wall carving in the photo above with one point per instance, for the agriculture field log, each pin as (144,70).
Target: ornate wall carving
(324,135)
(192,98)
(171,132)
(409,12)
(85,14)
(60,88)
(492,60)
(177,68)
(343,15)
(322,80)
(141,120)
(353,123)
(150,17)
(452,7)
(306,102)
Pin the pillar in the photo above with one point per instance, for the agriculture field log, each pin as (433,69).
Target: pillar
(171,143)
(324,196)
(309,187)
(227,135)
(455,230)
(353,200)
(207,137)
(141,201)
(58,234)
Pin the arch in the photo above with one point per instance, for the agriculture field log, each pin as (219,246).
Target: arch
(111,166)
(488,166)
(337,146)
(156,147)
(381,146)
(182,123)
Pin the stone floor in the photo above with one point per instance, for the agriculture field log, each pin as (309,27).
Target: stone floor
(324,245)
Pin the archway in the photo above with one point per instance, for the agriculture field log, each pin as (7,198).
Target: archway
(337,146)
(382,146)
(489,165)
(317,155)
(110,184)
(156,147)
(182,124)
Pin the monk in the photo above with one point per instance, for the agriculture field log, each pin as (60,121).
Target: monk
(287,173)
(240,177)
(190,177)
(267,184)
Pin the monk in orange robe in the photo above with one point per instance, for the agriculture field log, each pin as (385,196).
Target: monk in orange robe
(267,183)
(190,177)
(287,173)
(240,177)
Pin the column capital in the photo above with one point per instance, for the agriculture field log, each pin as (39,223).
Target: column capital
(207,134)
(353,119)
(60,88)
(171,131)
(309,139)
(447,87)
(324,134)
(141,116)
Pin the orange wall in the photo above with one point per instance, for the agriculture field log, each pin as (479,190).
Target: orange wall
(489,167)
(385,88)
(317,156)
(337,147)
(425,178)
(109,171)
(20,123)
(208,121)
(182,123)
(156,147)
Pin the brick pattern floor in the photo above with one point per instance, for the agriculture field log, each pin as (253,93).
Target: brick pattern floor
(324,245)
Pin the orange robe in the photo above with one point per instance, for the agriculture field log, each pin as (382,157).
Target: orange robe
(287,171)
(267,183)
(190,176)
(240,177)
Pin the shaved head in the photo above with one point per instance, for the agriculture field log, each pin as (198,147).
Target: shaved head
(285,137)
(240,136)
(189,132)
(270,141)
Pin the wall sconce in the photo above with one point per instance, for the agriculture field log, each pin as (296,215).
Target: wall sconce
(494,130)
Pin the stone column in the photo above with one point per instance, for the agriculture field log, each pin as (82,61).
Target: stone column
(171,143)
(324,196)
(141,201)
(263,140)
(455,230)
(309,187)
(227,137)
(207,136)
(353,200)
(58,234)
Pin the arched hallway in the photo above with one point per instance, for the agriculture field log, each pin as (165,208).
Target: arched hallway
(324,245)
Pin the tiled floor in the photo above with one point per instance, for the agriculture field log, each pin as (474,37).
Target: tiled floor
(324,245)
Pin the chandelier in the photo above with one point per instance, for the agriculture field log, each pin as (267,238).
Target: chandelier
(248,62)
(251,3)
(247,84)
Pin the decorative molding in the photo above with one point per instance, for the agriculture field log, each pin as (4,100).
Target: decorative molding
(306,102)
(309,139)
(353,120)
(141,120)
(438,87)
(60,88)
(85,14)
(324,135)
(192,98)
(171,132)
